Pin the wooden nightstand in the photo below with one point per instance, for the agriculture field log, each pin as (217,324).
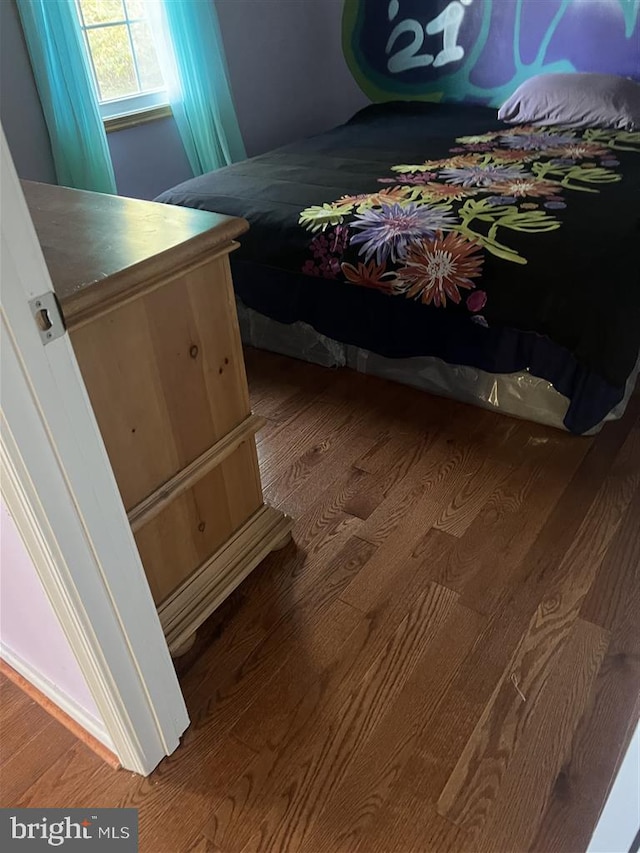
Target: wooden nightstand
(146,294)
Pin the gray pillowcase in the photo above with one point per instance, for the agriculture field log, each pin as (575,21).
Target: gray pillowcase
(578,100)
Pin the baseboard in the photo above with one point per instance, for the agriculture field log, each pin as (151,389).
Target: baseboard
(59,705)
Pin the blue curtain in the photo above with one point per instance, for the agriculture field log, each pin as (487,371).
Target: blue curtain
(196,73)
(78,140)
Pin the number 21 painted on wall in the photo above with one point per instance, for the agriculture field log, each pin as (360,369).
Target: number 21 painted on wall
(448,22)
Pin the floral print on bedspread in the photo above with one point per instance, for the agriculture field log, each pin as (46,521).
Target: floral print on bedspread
(424,236)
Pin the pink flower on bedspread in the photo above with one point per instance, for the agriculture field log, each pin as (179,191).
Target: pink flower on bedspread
(327,249)
(476,300)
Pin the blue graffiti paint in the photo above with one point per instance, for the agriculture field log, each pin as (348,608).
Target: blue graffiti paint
(481,50)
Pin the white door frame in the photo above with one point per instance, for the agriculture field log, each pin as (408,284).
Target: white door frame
(59,486)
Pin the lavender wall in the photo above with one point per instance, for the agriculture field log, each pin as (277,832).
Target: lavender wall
(287,68)
(148,159)
(29,629)
(20,110)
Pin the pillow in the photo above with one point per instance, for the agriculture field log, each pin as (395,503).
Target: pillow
(579,100)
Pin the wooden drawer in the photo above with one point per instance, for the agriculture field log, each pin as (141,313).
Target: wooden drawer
(194,526)
(165,376)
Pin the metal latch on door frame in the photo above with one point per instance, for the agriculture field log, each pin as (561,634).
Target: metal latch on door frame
(48,316)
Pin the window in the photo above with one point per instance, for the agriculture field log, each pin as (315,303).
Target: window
(124,63)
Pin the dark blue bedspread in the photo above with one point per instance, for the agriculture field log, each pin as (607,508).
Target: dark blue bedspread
(422,229)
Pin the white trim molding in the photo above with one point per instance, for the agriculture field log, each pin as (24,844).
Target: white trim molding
(59,487)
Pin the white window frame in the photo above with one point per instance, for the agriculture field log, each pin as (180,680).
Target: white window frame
(140,102)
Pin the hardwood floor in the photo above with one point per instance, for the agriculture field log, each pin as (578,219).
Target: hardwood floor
(447,658)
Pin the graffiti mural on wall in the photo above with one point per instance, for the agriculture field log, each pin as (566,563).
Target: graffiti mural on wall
(481,50)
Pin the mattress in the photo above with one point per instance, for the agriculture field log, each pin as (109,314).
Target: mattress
(519,395)
(430,230)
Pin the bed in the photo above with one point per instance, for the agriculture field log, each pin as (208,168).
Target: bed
(436,245)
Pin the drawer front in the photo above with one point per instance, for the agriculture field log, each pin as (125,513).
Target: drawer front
(198,522)
(165,375)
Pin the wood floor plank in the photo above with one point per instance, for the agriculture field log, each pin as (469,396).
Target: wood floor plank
(500,584)
(313,415)
(422,494)
(295,491)
(282,387)
(361,440)
(613,601)
(389,451)
(410,826)
(463,703)
(541,753)
(74,778)
(487,560)
(316,655)
(289,403)
(359,648)
(325,697)
(308,770)
(371,781)
(461,511)
(403,519)
(219,695)
(466,700)
(453,470)
(50,741)
(20,719)
(581,785)
(362,675)
(197,790)
(271,592)
(203,845)
(12,699)
(485,758)
(304,430)
(390,462)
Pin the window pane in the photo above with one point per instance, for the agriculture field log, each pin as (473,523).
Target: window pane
(135,8)
(112,59)
(148,65)
(101,11)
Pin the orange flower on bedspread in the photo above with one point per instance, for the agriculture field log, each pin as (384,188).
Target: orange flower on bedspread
(368,275)
(437,269)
